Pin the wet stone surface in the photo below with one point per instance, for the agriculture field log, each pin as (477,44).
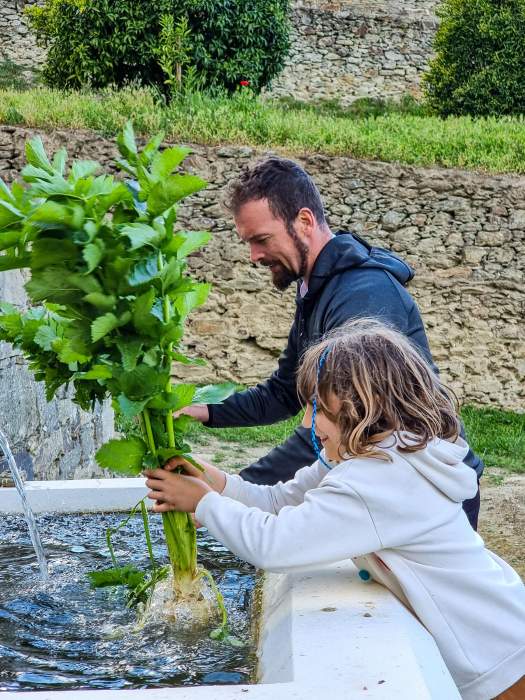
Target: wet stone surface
(64,634)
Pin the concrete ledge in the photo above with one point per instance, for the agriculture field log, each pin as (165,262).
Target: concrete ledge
(324,634)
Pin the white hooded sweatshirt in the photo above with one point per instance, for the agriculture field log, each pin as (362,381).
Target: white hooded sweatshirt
(402,521)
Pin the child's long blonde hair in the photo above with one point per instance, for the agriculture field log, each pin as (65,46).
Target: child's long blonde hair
(385,387)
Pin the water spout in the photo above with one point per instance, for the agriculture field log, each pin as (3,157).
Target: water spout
(30,518)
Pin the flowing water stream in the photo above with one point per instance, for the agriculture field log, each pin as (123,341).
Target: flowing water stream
(30,518)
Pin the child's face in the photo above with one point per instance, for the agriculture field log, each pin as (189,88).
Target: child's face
(326,430)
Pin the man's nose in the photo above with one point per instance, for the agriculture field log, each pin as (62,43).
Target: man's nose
(256,254)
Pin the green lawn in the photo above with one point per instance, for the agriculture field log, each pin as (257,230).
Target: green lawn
(385,131)
(497,436)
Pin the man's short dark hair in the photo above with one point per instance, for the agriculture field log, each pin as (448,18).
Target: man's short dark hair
(286,186)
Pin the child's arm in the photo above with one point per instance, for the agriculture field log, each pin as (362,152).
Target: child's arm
(268,498)
(331,524)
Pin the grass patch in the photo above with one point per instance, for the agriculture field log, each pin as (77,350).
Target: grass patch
(388,131)
(498,437)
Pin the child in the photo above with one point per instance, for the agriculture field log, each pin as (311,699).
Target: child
(386,491)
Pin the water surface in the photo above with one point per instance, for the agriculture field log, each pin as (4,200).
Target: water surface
(64,634)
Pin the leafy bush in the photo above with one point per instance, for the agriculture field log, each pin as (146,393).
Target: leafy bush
(480,61)
(114,42)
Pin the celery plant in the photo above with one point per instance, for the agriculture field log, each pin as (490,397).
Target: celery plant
(110,295)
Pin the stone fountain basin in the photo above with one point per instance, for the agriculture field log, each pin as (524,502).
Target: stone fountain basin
(324,635)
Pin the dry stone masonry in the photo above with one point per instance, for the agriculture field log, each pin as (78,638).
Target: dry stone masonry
(463,232)
(340,50)
(55,440)
(16,41)
(358,48)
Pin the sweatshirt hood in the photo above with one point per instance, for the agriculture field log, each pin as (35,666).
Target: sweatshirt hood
(346,251)
(441,463)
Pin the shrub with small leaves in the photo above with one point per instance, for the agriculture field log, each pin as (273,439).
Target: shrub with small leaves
(480,59)
(114,42)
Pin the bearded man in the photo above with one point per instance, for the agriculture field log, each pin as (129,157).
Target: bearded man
(279,214)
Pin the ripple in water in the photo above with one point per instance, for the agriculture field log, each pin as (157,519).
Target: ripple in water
(63,634)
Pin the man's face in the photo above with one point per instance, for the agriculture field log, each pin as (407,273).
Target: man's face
(271,244)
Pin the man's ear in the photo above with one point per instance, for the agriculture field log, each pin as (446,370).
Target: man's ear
(305,222)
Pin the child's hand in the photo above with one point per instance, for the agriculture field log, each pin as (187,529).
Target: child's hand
(174,491)
(211,475)
(189,468)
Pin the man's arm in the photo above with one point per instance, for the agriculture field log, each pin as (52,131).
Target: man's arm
(268,402)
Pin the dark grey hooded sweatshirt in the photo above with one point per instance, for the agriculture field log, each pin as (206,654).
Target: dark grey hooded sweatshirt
(350,279)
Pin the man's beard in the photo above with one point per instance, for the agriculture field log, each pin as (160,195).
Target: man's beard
(282,277)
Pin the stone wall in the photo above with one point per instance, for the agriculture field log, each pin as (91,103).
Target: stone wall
(463,232)
(16,41)
(340,50)
(53,440)
(357,48)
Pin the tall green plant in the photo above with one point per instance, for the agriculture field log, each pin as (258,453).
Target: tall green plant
(110,292)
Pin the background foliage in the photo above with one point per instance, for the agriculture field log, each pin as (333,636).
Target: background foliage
(480,61)
(114,42)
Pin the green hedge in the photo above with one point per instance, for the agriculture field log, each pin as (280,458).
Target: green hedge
(479,66)
(97,43)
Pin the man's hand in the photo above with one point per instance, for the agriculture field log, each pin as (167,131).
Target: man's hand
(199,412)
(175,491)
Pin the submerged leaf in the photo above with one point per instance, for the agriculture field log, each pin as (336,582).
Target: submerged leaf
(116,576)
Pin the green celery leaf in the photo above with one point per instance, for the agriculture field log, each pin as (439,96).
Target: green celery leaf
(122,456)
(143,319)
(104,302)
(213,393)
(150,149)
(14,262)
(9,214)
(170,274)
(68,352)
(126,141)
(142,382)
(164,163)
(52,251)
(181,395)
(144,271)
(96,372)
(103,325)
(118,576)
(166,193)
(129,350)
(45,337)
(185,360)
(185,242)
(185,303)
(8,239)
(36,155)
(129,408)
(141,235)
(93,254)
(59,161)
(83,168)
